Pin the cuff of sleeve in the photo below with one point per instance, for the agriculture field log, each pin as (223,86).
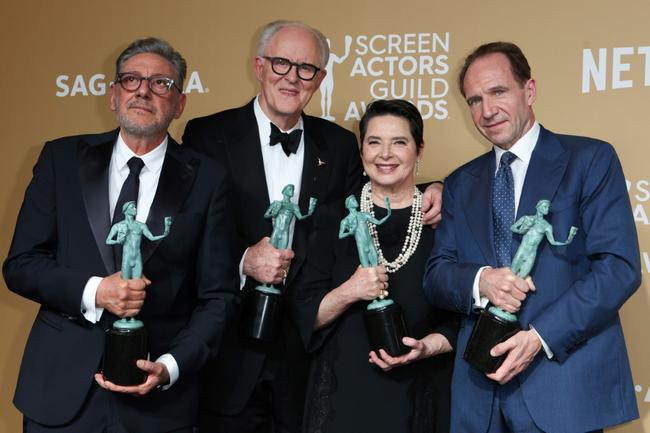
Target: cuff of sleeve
(89,309)
(547,349)
(242,276)
(479,301)
(172,368)
(450,334)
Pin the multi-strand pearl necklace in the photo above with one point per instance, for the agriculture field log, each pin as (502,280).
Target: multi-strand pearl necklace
(413,232)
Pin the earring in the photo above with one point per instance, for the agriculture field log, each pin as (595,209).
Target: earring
(364,173)
(417,167)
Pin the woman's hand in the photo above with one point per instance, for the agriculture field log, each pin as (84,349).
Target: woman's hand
(366,284)
(431,345)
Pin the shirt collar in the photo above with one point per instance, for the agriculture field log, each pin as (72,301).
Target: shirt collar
(523,148)
(153,160)
(264,123)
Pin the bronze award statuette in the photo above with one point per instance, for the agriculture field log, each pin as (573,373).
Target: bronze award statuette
(495,325)
(384,320)
(262,307)
(126,341)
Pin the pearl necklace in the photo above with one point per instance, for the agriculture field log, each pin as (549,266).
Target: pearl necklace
(413,232)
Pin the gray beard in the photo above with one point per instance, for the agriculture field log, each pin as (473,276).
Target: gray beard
(144,131)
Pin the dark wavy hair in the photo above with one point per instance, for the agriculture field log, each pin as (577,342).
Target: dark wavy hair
(398,108)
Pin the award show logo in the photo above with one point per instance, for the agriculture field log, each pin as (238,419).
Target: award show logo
(610,69)
(327,86)
(639,191)
(412,66)
(97,84)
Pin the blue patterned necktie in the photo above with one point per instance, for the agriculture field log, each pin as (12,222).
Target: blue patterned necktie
(503,209)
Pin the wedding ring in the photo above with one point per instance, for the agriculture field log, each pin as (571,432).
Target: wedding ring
(285,272)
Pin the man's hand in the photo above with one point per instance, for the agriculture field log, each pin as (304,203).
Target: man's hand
(124,298)
(504,289)
(267,264)
(432,204)
(521,349)
(157,374)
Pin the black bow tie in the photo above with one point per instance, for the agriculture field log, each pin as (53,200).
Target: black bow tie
(289,142)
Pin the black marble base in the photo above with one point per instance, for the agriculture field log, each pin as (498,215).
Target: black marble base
(386,327)
(488,331)
(122,348)
(261,315)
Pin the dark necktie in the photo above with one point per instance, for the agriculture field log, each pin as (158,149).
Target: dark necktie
(503,209)
(129,192)
(289,142)
(130,187)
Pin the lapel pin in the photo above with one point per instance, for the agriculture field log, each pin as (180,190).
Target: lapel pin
(321,162)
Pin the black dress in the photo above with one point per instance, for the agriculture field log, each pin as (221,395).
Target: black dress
(346,393)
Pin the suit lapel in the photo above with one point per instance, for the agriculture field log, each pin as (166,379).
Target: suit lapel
(315,174)
(477,200)
(94,163)
(176,179)
(315,168)
(245,157)
(545,172)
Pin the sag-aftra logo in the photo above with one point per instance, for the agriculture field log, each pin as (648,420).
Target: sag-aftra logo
(96,85)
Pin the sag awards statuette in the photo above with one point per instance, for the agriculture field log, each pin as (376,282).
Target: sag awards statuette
(495,325)
(262,307)
(385,324)
(126,341)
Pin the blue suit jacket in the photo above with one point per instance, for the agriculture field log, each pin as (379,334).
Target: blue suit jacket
(580,287)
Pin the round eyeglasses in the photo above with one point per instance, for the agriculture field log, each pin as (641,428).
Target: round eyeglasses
(282,66)
(158,84)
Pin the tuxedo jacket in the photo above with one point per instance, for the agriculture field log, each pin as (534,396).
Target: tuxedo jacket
(331,170)
(60,242)
(587,385)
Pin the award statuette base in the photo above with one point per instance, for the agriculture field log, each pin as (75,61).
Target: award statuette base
(492,327)
(261,313)
(386,327)
(125,343)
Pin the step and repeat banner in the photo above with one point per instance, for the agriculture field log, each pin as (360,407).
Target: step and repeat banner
(591,60)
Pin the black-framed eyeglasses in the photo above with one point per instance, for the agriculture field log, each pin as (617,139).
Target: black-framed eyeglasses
(282,66)
(158,84)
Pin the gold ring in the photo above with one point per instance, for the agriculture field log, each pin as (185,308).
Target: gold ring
(285,272)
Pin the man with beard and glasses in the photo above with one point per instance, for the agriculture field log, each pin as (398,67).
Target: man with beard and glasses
(59,259)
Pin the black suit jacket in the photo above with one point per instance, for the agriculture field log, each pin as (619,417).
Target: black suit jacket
(331,170)
(60,242)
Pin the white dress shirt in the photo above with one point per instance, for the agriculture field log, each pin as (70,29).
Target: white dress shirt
(118,171)
(523,150)
(279,169)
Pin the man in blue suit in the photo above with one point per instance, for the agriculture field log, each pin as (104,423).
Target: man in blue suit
(567,370)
